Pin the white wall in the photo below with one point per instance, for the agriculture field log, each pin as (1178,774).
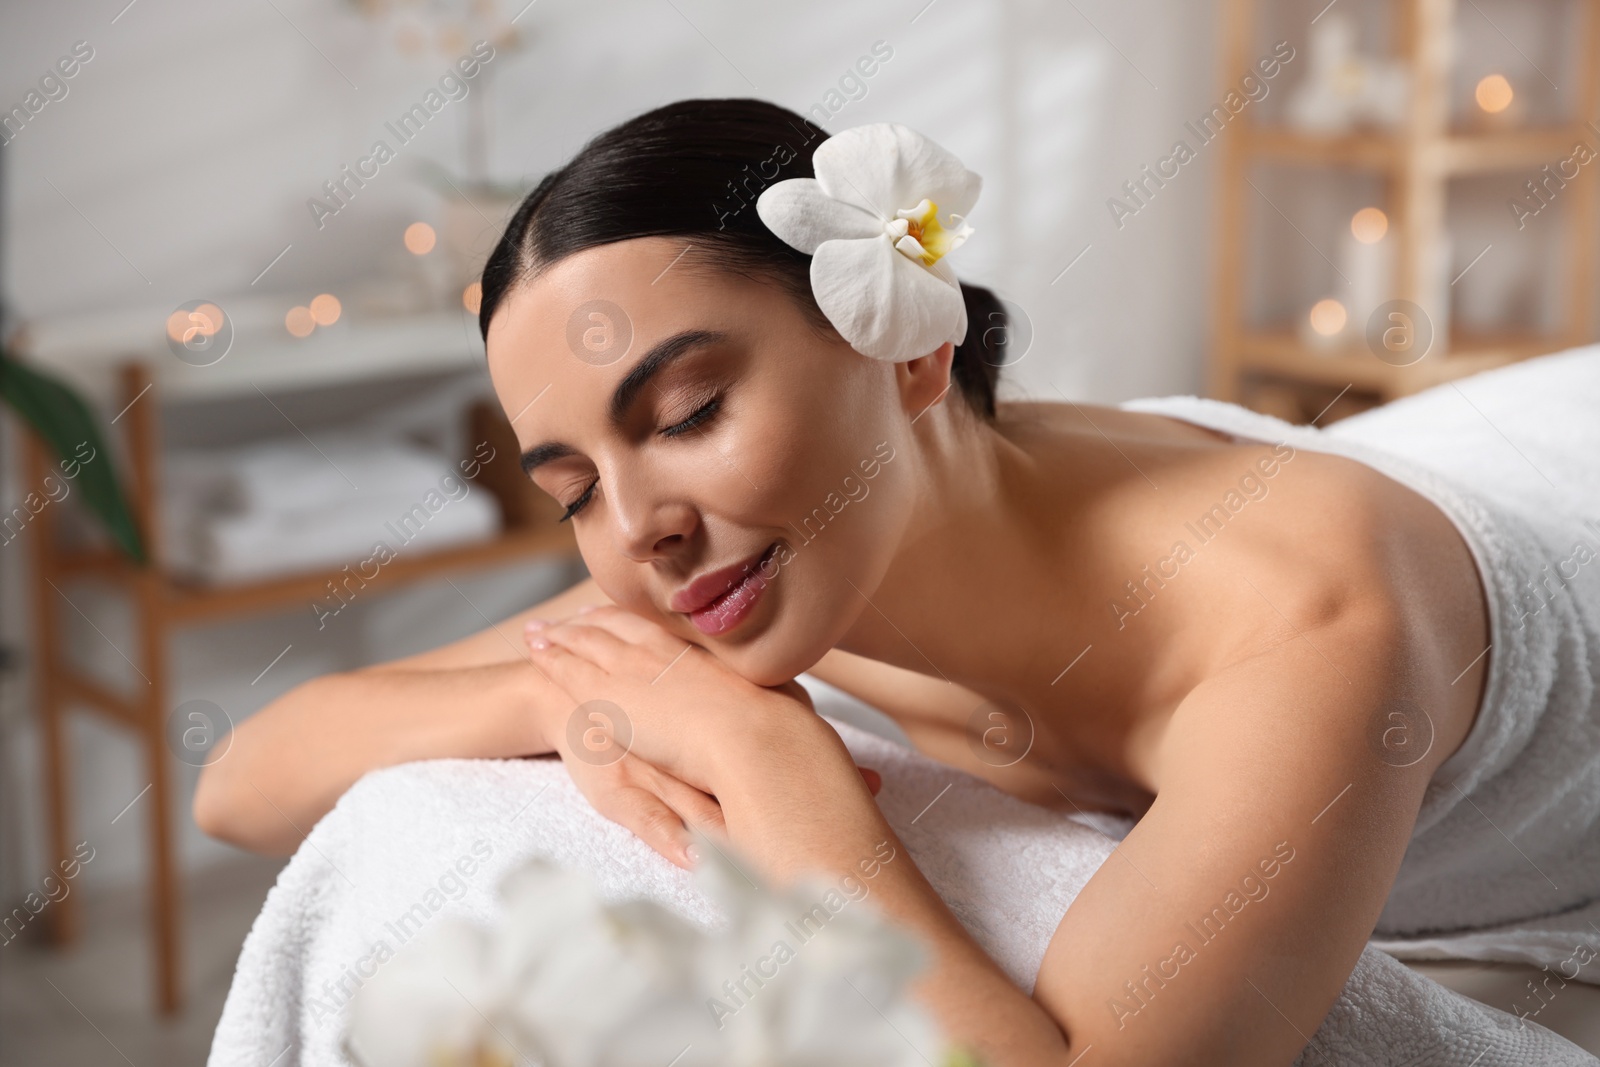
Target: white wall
(192,140)
(180,163)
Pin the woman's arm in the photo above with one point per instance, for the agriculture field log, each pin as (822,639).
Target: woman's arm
(291,761)
(1236,909)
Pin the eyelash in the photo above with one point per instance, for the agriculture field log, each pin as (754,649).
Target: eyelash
(699,416)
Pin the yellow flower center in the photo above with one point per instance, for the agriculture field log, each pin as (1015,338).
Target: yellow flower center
(919,235)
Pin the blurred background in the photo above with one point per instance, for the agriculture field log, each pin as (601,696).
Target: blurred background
(238,264)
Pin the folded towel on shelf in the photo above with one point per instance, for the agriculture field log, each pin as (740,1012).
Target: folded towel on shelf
(410,843)
(294,475)
(285,506)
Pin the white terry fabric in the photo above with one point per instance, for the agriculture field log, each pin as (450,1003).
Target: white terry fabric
(409,843)
(1504,861)
(277,507)
(286,475)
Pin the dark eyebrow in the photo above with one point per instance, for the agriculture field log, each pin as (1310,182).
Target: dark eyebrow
(539,455)
(628,390)
(659,356)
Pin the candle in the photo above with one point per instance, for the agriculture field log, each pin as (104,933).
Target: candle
(1366,259)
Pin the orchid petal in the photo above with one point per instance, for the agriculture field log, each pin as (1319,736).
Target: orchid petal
(885,167)
(423,1007)
(885,305)
(803,216)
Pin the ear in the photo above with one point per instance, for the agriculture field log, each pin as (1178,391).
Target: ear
(925,381)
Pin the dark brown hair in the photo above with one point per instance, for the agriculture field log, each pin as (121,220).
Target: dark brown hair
(694,169)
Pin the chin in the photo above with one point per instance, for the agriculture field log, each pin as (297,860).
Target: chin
(767,655)
(779,641)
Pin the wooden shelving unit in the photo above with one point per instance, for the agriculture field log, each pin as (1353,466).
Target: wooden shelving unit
(163,603)
(1273,370)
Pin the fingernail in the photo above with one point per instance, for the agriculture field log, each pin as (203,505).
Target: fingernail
(539,642)
(693,853)
(536,624)
(587,608)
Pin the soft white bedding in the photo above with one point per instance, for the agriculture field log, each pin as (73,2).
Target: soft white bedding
(408,844)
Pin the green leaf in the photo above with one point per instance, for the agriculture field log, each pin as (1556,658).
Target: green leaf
(61,418)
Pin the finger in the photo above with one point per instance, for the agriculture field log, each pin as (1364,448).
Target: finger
(635,629)
(695,807)
(652,821)
(600,647)
(566,669)
(873,779)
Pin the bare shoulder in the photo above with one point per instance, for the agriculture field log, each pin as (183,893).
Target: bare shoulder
(1379,583)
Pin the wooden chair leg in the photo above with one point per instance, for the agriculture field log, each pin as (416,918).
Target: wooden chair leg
(143,433)
(163,880)
(62,918)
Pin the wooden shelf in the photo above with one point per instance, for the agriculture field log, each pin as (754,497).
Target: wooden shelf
(188,602)
(1282,354)
(1474,153)
(162,602)
(1414,162)
(90,349)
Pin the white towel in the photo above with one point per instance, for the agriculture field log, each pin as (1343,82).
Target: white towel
(410,843)
(1509,830)
(293,474)
(232,548)
(280,507)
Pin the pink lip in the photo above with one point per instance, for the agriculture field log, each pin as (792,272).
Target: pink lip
(718,601)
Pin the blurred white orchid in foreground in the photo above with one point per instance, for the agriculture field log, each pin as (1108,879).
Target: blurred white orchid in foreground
(887,204)
(806,977)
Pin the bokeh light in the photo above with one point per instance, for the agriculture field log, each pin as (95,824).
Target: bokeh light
(1494,93)
(420,238)
(299,321)
(472,297)
(1328,317)
(204,320)
(1369,225)
(325,309)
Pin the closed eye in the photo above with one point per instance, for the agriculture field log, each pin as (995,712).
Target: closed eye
(699,416)
(578,504)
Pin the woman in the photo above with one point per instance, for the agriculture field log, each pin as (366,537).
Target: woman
(781,458)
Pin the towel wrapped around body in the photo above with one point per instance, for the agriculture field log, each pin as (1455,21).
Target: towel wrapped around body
(1509,829)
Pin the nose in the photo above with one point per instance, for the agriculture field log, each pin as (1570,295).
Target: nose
(648,523)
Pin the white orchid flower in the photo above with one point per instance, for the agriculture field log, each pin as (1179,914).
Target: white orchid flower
(563,980)
(601,985)
(810,976)
(566,980)
(886,207)
(429,1005)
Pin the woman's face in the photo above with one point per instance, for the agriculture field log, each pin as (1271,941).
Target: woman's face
(731,474)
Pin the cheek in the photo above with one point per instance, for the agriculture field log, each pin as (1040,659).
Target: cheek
(815,433)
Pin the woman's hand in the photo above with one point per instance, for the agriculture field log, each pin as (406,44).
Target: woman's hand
(789,795)
(660,725)
(640,796)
